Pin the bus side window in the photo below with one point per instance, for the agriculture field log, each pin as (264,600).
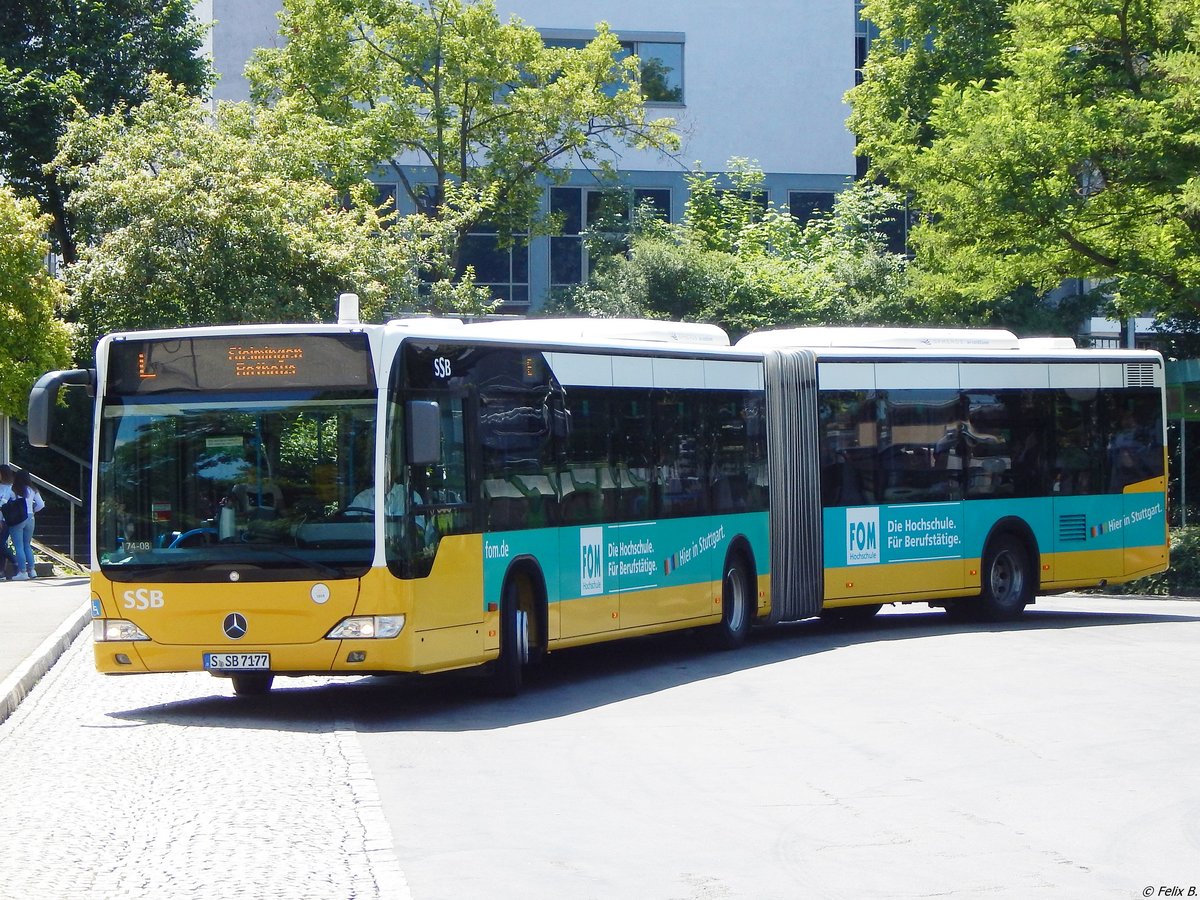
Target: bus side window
(633,460)
(589,493)
(682,439)
(986,445)
(1134,446)
(849,444)
(733,453)
(1030,414)
(518,466)
(916,457)
(1079,462)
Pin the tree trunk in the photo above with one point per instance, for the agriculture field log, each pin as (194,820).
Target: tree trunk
(63,238)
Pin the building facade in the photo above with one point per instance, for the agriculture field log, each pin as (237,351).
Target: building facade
(765,81)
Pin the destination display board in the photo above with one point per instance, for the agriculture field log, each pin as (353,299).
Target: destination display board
(241,362)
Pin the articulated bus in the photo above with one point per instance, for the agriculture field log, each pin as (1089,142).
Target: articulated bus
(431,494)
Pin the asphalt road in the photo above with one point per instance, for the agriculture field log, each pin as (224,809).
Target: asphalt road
(1059,756)
(1056,757)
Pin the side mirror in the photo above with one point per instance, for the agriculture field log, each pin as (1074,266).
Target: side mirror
(44,396)
(423,440)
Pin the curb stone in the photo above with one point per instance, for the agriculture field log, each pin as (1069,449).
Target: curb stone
(16,687)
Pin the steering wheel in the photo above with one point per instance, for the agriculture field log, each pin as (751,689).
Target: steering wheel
(354,512)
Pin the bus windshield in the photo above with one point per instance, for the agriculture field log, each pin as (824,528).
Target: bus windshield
(196,486)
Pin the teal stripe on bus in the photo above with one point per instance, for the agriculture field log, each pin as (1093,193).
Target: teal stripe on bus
(919,532)
(594,560)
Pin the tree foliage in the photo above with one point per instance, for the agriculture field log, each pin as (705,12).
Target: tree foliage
(1060,142)
(32,338)
(194,219)
(481,104)
(746,267)
(56,55)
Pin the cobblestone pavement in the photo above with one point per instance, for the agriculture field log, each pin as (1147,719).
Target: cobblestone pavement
(165,786)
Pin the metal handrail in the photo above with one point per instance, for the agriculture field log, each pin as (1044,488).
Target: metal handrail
(72,503)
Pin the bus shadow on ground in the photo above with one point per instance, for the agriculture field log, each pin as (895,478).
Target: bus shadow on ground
(576,680)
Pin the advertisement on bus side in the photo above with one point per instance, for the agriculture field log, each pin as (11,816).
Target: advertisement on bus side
(925,532)
(597,560)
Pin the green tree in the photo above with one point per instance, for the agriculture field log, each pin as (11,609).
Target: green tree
(191,218)
(747,267)
(1063,145)
(56,55)
(481,104)
(32,337)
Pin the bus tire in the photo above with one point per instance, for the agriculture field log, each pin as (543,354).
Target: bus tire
(251,684)
(1008,580)
(508,670)
(737,606)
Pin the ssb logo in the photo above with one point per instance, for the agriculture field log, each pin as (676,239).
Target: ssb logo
(591,561)
(143,598)
(862,536)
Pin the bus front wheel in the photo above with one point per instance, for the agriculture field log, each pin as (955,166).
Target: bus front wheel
(1008,582)
(508,671)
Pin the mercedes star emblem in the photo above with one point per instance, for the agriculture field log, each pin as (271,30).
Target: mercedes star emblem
(234,625)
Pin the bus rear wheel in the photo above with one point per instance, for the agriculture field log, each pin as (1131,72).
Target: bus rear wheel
(737,609)
(252,684)
(1008,582)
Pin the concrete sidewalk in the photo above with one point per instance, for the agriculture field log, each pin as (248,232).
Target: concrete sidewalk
(38,621)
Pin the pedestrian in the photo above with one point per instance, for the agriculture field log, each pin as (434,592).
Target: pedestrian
(8,559)
(21,531)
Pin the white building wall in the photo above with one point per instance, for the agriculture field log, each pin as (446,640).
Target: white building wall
(763,80)
(237,29)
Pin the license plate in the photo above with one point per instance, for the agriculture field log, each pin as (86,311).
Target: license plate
(237,661)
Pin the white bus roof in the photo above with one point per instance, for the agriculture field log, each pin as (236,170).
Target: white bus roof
(600,330)
(889,338)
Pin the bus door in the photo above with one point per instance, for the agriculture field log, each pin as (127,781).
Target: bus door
(593,486)
(430,517)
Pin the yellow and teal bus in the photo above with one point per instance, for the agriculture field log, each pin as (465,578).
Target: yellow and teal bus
(432,494)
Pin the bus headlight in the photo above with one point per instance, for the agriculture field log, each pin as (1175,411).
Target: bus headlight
(116,630)
(367,627)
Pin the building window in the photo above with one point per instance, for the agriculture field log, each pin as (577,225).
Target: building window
(896,227)
(504,271)
(656,199)
(660,58)
(566,249)
(808,205)
(584,209)
(662,69)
